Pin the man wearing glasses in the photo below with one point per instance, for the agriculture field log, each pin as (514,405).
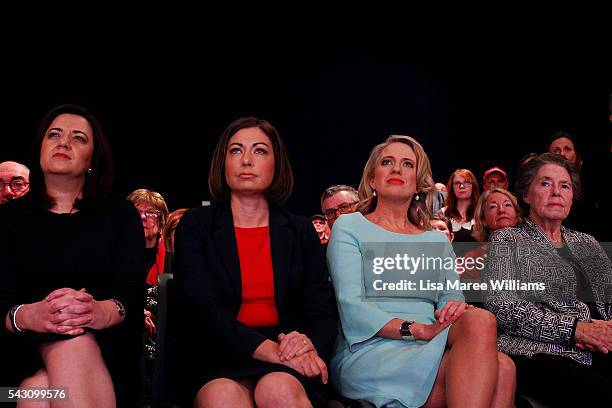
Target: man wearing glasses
(337,200)
(14,180)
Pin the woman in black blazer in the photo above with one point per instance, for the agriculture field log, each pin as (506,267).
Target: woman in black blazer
(253,278)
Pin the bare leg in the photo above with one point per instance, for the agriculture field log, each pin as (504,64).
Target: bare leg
(38,380)
(503,397)
(471,371)
(77,365)
(468,373)
(223,392)
(280,390)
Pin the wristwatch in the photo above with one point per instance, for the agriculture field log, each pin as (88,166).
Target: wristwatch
(405,330)
(120,308)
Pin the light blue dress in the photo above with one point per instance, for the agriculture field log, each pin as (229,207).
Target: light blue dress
(383,371)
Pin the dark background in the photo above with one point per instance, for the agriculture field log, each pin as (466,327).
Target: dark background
(166,79)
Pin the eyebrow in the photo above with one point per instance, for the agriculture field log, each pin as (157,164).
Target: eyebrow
(61,130)
(393,157)
(550,178)
(254,144)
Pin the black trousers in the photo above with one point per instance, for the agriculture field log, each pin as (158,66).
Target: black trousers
(561,382)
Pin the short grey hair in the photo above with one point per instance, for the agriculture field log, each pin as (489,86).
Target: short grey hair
(529,170)
(330,191)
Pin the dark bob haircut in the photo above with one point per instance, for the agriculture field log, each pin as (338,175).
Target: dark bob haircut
(282,183)
(98,182)
(529,170)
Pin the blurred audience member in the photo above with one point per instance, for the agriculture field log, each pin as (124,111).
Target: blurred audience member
(494,178)
(463,194)
(564,144)
(14,180)
(168,237)
(320,225)
(442,224)
(153,213)
(337,200)
(441,187)
(437,202)
(527,158)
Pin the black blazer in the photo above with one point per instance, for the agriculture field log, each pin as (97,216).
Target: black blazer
(207,271)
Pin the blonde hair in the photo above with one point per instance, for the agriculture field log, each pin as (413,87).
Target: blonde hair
(143,195)
(481,231)
(419,211)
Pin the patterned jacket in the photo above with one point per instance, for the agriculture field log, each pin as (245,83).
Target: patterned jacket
(535,321)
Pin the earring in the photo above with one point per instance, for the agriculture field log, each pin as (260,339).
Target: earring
(374,193)
(89,170)
(416,196)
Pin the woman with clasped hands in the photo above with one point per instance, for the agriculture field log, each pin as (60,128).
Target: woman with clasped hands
(425,348)
(563,327)
(73,273)
(262,320)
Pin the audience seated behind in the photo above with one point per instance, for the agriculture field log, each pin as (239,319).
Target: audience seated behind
(463,194)
(14,181)
(168,237)
(337,200)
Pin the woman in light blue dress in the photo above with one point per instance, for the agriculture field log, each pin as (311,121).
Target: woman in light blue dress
(408,338)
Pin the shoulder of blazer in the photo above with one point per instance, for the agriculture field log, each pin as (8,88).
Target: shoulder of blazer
(209,216)
(298,224)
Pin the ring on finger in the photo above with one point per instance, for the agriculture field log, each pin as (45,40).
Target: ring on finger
(305,342)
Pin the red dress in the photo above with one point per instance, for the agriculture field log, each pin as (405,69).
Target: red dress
(258,308)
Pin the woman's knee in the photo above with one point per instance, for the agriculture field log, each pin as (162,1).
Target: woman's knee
(38,380)
(478,323)
(506,369)
(223,392)
(280,389)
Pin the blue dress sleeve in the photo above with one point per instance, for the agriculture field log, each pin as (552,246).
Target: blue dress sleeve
(361,320)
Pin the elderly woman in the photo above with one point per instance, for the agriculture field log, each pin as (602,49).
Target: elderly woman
(554,315)
(73,271)
(463,194)
(420,348)
(153,214)
(261,315)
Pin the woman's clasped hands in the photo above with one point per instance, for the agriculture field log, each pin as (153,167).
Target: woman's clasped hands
(296,351)
(66,311)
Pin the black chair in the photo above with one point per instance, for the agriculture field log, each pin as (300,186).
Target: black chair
(163,386)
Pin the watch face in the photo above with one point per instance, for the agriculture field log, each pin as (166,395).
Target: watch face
(405,329)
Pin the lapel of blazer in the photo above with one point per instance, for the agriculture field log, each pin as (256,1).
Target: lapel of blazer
(225,239)
(281,245)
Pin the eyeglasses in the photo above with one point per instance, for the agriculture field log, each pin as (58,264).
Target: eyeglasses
(150,213)
(462,183)
(15,185)
(343,208)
